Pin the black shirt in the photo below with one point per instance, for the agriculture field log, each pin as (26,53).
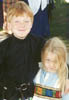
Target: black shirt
(19,60)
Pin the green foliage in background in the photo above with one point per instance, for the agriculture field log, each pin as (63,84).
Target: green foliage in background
(59,24)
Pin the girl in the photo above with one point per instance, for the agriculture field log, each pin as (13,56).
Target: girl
(50,81)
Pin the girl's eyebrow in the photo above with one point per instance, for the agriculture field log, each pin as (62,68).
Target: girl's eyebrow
(50,60)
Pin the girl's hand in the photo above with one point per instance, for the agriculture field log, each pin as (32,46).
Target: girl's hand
(67,87)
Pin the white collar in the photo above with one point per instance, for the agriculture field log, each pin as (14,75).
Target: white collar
(35,5)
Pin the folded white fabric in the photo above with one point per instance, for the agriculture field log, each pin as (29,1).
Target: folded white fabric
(35,5)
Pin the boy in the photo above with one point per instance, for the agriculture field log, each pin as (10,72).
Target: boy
(18,56)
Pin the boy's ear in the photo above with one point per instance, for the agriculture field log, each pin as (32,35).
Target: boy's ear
(9,28)
(31,25)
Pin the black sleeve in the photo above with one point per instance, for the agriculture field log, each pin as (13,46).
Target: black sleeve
(37,47)
(3,47)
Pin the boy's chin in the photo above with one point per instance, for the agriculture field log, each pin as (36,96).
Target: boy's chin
(21,36)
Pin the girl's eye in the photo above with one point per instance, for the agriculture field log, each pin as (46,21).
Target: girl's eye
(48,60)
(16,21)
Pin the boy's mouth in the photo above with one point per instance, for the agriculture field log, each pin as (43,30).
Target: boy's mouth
(21,30)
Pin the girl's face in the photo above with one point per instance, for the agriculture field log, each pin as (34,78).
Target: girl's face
(20,26)
(51,64)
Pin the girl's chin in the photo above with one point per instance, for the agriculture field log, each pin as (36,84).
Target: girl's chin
(50,70)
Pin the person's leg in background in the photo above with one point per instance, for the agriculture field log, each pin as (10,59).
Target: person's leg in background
(1,15)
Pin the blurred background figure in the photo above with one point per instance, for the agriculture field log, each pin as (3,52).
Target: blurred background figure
(6,5)
(42,11)
(1,14)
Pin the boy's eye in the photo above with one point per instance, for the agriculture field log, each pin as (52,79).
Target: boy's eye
(26,21)
(22,22)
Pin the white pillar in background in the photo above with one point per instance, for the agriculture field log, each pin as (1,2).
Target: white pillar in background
(67,1)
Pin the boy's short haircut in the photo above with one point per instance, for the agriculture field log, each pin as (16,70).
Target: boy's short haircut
(19,9)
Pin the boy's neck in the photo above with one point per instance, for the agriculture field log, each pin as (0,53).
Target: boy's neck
(20,38)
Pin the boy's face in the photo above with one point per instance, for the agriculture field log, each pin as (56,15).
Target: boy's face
(51,62)
(20,26)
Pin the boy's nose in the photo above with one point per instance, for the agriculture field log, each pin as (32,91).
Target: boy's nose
(21,24)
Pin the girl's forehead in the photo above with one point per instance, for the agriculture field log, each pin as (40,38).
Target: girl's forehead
(51,55)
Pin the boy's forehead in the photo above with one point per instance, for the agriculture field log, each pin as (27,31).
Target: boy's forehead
(21,17)
(21,14)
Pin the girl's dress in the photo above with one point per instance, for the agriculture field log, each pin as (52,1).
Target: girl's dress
(49,82)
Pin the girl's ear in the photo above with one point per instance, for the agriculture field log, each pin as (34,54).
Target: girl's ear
(67,86)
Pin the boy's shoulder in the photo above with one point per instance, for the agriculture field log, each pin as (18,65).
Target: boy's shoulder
(36,38)
(6,41)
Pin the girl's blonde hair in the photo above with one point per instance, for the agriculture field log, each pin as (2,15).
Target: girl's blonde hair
(56,45)
(19,9)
